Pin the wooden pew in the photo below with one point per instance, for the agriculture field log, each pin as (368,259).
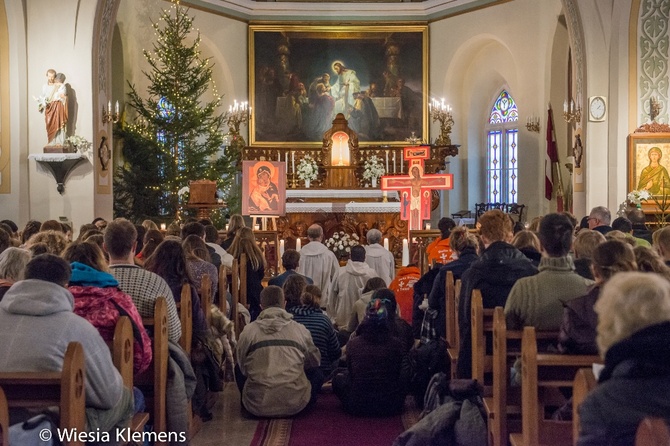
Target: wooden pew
(652,432)
(64,389)
(4,420)
(153,382)
(541,377)
(503,408)
(185,309)
(239,286)
(122,356)
(223,290)
(206,298)
(585,381)
(452,349)
(482,327)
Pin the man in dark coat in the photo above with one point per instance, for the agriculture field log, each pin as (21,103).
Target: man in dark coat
(494,273)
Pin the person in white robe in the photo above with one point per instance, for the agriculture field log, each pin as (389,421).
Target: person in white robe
(348,287)
(345,89)
(319,263)
(379,258)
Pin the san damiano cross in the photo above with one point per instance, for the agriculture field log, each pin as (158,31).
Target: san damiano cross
(416,188)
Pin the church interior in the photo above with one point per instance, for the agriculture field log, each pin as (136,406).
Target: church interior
(529,106)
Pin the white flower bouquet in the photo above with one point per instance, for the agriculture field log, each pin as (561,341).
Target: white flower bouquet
(307,169)
(78,142)
(341,243)
(373,168)
(636,197)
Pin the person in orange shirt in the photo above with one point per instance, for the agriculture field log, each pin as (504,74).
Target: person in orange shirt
(403,287)
(439,250)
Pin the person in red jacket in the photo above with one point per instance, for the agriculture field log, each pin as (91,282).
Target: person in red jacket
(439,250)
(403,287)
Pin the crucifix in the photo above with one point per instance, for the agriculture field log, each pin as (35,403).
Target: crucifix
(416,188)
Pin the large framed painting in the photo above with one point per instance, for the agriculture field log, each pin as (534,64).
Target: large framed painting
(649,162)
(263,188)
(303,76)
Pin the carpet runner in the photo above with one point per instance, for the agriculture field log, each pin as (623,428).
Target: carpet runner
(327,424)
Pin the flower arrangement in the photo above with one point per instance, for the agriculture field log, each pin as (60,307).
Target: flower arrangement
(373,168)
(307,169)
(634,198)
(78,142)
(341,242)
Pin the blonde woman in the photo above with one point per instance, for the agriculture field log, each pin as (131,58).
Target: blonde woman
(245,243)
(633,332)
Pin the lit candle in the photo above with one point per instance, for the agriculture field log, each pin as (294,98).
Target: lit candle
(281,248)
(405,252)
(163,227)
(572,105)
(298,244)
(227,226)
(427,226)
(292,162)
(565,106)
(386,243)
(116,108)
(257,227)
(109,107)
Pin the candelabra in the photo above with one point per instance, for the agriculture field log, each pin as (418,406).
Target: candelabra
(238,114)
(572,113)
(533,124)
(441,112)
(108,116)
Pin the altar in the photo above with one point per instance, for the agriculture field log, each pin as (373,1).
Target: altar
(340,197)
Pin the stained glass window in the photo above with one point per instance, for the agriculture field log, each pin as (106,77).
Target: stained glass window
(502,151)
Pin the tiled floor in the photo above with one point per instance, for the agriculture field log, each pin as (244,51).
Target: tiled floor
(228,427)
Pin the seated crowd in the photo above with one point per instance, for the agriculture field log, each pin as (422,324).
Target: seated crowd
(600,285)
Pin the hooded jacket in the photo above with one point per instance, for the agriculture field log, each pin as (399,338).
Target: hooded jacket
(98,299)
(494,273)
(38,324)
(319,263)
(347,289)
(634,384)
(273,352)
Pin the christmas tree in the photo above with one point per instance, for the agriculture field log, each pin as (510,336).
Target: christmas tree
(176,134)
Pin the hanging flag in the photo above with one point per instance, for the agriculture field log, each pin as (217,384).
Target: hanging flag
(551,157)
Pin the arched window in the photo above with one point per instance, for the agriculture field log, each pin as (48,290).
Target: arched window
(502,151)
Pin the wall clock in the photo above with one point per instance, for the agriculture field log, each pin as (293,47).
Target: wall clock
(597,108)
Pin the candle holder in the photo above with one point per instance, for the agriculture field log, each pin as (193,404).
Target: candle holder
(238,114)
(442,113)
(572,113)
(533,124)
(108,116)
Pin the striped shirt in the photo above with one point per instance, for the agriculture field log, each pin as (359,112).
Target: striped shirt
(323,334)
(144,287)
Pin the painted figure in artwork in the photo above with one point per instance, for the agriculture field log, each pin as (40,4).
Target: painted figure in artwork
(654,177)
(345,89)
(265,195)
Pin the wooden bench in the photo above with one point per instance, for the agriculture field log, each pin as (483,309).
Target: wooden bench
(542,375)
(503,408)
(206,298)
(585,381)
(452,315)
(652,432)
(223,290)
(153,382)
(481,320)
(4,420)
(64,389)
(185,309)
(239,291)
(122,356)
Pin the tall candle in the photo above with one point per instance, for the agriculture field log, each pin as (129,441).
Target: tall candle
(405,252)
(278,156)
(427,226)
(292,162)
(298,244)
(281,248)
(387,162)
(394,166)
(116,108)
(109,107)
(163,227)
(386,243)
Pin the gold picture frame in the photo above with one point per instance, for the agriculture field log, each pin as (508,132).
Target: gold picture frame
(377,77)
(649,162)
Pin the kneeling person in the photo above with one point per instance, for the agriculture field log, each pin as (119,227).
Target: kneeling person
(277,370)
